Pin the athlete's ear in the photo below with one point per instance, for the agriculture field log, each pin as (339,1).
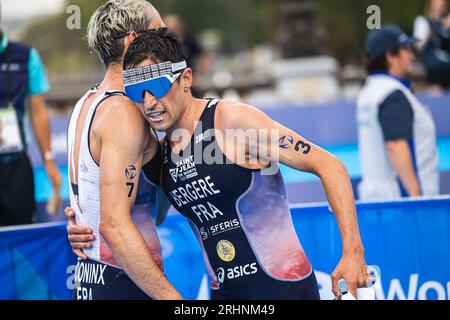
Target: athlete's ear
(133,35)
(186,79)
(129,39)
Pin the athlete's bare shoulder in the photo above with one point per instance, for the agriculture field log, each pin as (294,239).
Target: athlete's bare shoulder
(118,116)
(236,115)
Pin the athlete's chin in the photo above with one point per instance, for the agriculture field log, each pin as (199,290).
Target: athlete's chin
(162,126)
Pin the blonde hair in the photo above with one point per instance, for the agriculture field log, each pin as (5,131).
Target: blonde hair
(114,19)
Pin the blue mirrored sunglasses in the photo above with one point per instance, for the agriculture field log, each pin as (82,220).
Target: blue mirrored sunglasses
(158,87)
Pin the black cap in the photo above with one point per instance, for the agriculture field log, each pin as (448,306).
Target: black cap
(389,37)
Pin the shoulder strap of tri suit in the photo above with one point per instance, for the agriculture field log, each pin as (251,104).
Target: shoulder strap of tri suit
(108,94)
(112,94)
(207,117)
(152,170)
(71,135)
(212,102)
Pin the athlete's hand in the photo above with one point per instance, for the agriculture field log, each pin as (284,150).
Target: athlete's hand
(352,268)
(79,237)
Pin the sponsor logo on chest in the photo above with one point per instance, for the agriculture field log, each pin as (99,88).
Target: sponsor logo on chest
(236,272)
(185,170)
(219,228)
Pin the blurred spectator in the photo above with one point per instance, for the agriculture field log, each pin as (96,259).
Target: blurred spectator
(433,32)
(23,84)
(198,59)
(397,136)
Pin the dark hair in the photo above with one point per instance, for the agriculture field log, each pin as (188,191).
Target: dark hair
(159,45)
(379,63)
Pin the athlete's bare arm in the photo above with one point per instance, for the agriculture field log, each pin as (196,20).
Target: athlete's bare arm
(298,153)
(81,237)
(122,135)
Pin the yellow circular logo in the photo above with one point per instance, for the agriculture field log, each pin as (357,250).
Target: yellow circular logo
(226,251)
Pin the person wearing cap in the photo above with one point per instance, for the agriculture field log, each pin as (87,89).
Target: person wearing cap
(23,85)
(396,133)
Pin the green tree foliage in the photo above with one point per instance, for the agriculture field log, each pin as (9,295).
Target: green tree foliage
(345,21)
(240,23)
(64,50)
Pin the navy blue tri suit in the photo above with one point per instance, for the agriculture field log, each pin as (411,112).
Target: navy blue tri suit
(242,221)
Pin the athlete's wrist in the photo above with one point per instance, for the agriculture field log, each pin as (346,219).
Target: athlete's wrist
(48,156)
(352,248)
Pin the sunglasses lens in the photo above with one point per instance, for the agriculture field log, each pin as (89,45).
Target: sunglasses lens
(158,87)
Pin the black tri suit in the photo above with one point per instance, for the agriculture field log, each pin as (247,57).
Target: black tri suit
(241,219)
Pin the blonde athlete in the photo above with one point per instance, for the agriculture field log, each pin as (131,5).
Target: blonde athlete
(109,142)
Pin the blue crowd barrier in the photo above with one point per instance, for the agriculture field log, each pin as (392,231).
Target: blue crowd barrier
(408,240)
(34,262)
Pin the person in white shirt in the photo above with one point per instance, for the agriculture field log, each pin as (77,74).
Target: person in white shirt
(397,135)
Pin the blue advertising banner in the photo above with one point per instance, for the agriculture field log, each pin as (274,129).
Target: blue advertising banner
(409,241)
(34,262)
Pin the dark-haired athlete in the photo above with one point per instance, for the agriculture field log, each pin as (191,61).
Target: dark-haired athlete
(227,187)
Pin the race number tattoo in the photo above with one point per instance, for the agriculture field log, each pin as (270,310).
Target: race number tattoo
(302,146)
(130,175)
(286,142)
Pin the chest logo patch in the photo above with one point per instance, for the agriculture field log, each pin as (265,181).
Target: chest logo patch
(226,251)
(174,174)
